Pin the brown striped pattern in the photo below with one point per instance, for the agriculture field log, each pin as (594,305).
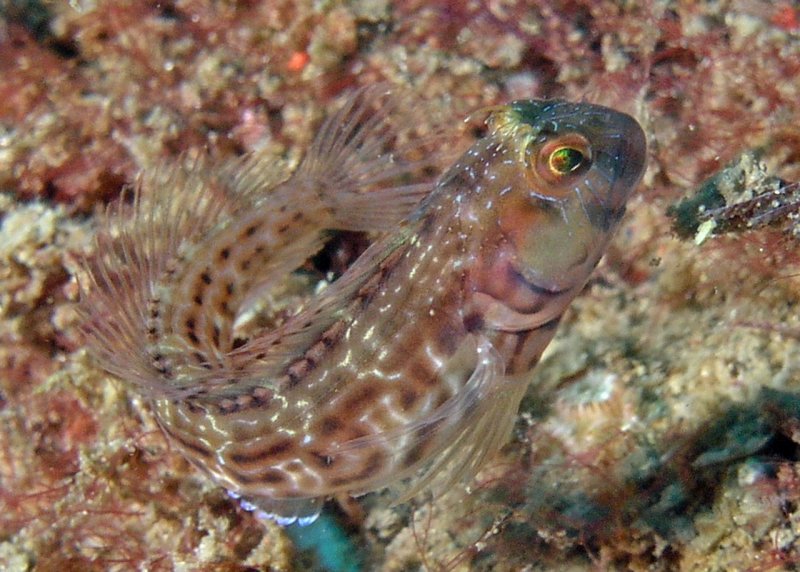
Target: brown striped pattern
(427,341)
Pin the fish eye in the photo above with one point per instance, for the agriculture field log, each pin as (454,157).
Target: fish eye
(565,160)
(563,157)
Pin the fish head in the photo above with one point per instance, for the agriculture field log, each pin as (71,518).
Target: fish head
(568,172)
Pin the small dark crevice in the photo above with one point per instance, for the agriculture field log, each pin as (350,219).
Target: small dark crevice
(34,16)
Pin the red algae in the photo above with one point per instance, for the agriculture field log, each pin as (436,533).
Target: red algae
(626,454)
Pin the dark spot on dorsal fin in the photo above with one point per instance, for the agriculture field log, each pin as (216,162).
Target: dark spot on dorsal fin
(298,370)
(262,395)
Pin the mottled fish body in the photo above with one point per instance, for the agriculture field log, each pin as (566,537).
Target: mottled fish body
(416,359)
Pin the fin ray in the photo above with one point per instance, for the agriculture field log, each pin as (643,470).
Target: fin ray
(369,165)
(139,237)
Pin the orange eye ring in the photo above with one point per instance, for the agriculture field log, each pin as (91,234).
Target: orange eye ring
(563,157)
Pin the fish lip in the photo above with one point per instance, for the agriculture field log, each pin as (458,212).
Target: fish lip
(537,283)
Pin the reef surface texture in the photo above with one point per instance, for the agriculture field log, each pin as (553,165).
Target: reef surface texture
(661,430)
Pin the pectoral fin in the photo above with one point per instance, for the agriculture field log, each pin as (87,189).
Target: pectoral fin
(458,435)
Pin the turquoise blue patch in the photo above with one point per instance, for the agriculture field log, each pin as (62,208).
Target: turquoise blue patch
(329,545)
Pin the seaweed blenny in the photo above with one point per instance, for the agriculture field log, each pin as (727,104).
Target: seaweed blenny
(407,370)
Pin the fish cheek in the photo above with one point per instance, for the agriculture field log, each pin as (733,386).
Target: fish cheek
(548,241)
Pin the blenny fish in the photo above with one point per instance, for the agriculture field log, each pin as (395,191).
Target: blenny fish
(406,371)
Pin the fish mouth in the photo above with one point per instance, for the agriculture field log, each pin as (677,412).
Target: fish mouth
(543,286)
(536,286)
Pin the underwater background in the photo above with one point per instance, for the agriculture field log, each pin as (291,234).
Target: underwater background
(660,431)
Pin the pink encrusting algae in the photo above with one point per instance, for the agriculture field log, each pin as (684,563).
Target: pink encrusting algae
(409,369)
